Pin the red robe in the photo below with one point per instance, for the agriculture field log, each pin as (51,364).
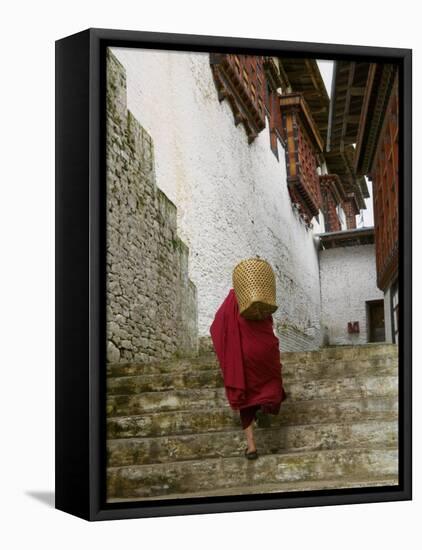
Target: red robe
(249,357)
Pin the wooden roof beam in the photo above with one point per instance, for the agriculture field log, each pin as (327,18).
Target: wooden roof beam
(353,119)
(357,90)
(347,103)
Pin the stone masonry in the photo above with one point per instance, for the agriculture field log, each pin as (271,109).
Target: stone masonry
(171,432)
(151,302)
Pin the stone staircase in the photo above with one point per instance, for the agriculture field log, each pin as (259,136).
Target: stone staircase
(172,434)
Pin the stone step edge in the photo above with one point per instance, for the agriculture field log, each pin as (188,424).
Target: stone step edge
(289,451)
(349,397)
(214,362)
(389,417)
(168,392)
(236,412)
(285,357)
(284,374)
(298,486)
(209,350)
(368,345)
(323,352)
(233,458)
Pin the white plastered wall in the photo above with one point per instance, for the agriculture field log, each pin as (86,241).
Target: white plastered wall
(231,197)
(348,281)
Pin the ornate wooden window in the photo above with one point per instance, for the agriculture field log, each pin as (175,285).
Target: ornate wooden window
(272,102)
(240,79)
(384,176)
(304,144)
(351,210)
(332,195)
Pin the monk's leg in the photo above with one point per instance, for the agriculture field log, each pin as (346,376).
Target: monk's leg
(247,415)
(250,438)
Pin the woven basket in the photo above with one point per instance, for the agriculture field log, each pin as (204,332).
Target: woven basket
(254,286)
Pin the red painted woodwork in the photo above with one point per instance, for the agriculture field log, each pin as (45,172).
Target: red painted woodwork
(240,79)
(303,145)
(351,210)
(331,190)
(309,164)
(272,103)
(385,180)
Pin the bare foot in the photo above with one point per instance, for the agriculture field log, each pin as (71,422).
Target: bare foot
(250,438)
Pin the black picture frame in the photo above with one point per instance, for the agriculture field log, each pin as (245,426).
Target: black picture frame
(80,275)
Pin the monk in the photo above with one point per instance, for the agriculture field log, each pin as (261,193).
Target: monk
(249,358)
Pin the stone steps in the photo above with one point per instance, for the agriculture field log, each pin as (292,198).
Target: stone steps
(290,363)
(332,368)
(126,385)
(231,443)
(261,488)
(377,355)
(201,362)
(171,431)
(224,418)
(342,353)
(136,402)
(212,377)
(214,473)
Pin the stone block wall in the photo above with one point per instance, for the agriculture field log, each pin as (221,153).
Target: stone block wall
(151,302)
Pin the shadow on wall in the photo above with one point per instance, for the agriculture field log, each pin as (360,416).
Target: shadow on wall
(325,336)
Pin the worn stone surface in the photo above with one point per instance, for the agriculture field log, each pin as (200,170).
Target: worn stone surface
(343,353)
(215,418)
(195,475)
(151,302)
(173,432)
(263,488)
(379,359)
(137,401)
(137,451)
(194,376)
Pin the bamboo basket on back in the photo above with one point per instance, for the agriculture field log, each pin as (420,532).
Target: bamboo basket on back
(254,286)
